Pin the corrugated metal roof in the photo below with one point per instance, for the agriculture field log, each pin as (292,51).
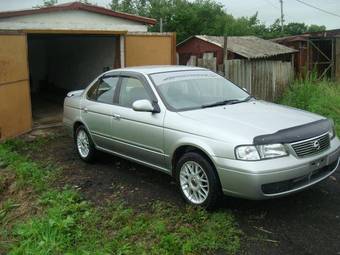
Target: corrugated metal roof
(306,36)
(249,46)
(292,38)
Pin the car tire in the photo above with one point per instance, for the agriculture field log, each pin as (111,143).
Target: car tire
(197,180)
(84,145)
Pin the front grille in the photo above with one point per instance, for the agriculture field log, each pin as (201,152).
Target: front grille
(311,146)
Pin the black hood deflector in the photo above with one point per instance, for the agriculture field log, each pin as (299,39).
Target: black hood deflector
(295,134)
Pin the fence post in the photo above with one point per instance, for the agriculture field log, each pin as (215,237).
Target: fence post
(225,54)
(274,80)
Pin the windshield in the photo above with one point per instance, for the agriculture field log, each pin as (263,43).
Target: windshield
(184,90)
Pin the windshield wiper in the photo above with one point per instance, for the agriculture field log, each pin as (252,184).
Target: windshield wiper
(247,98)
(225,102)
(231,101)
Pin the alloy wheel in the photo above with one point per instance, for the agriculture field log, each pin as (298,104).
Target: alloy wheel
(194,182)
(83,144)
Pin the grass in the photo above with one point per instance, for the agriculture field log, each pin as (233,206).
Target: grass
(318,97)
(65,223)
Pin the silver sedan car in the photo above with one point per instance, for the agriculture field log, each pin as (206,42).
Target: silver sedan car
(209,134)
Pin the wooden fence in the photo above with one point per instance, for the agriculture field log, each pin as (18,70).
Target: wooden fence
(265,79)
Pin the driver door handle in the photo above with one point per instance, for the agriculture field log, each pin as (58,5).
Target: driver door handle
(85,109)
(116,116)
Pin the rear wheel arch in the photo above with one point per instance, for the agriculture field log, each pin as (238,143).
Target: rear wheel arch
(79,123)
(76,125)
(84,142)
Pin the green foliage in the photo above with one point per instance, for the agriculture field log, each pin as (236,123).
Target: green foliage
(67,227)
(20,145)
(208,17)
(27,173)
(7,206)
(2,184)
(72,226)
(320,97)
(47,3)
(316,28)
(167,230)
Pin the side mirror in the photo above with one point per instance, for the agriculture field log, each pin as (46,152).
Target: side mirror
(143,105)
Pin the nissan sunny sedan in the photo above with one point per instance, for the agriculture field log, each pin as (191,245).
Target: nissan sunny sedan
(209,134)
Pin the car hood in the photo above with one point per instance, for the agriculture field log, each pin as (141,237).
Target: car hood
(244,121)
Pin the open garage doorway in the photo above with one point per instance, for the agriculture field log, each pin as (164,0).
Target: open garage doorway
(62,63)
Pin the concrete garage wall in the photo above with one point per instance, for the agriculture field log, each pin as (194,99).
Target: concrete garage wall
(69,62)
(71,20)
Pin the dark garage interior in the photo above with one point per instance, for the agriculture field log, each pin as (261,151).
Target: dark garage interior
(62,63)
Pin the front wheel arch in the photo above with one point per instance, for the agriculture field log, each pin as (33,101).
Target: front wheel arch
(212,194)
(183,149)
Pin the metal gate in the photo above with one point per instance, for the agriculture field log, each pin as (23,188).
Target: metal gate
(15,104)
(150,49)
(321,57)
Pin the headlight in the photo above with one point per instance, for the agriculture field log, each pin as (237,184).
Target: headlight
(247,152)
(332,129)
(272,151)
(251,152)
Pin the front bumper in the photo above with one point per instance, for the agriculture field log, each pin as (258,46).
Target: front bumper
(276,177)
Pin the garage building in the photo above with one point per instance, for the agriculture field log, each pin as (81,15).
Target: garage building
(46,52)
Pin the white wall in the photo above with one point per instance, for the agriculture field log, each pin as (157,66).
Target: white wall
(72,19)
(69,62)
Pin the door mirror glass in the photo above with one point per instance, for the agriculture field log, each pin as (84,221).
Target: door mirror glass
(143,105)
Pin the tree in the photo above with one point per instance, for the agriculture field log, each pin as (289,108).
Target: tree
(194,17)
(47,3)
(114,5)
(295,28)
(316,28)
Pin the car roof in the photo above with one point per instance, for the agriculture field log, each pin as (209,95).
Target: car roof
(157,69)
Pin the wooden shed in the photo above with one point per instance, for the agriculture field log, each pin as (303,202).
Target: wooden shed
(46,52)
(238,47)
(318,52)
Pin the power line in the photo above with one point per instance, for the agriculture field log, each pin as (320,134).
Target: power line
(317,8)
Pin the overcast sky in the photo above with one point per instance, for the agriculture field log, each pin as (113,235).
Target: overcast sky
(269,10)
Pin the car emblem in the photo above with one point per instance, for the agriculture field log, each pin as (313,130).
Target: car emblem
(316,145)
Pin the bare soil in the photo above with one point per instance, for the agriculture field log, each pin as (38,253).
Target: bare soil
(304,223)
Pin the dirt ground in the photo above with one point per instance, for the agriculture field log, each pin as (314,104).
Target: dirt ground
(305,223)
